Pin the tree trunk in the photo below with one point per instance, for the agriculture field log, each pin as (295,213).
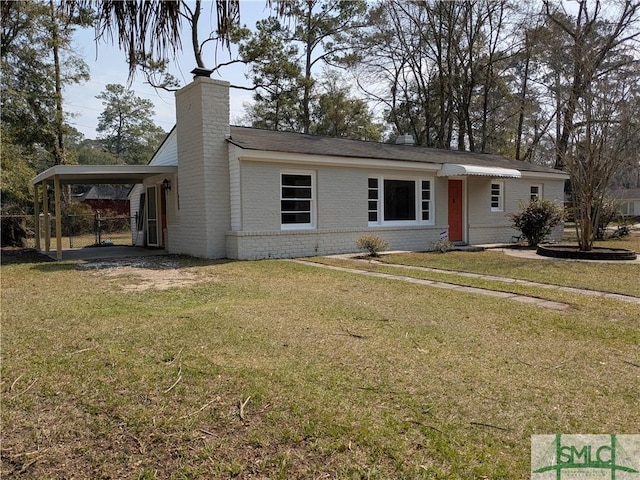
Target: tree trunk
(306,99)
(523,97)
(59,153)
(195,42)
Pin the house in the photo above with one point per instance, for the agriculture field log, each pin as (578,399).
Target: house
(246,193)
(629,199)
(113,198)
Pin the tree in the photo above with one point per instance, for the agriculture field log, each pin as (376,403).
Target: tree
(595,39)
(275,74)
(444,66)
(125,126)
(150,32)
(37,61)
(83,151)
(337,114)
(284,58)
(322,27)
(600,145)
(592,89)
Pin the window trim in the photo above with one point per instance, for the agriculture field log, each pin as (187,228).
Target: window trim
(500,196)
(418,183)
(312,201)
(371,200)
(539,195)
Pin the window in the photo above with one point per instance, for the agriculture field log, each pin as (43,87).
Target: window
(535,192)
(392,200)
(425,191)
(497,196)
(399,200)
(374,197)
(296,200)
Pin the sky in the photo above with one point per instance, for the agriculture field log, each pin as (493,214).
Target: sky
(107,64)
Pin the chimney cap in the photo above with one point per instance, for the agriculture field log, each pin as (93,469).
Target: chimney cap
(201,72)
(406,139)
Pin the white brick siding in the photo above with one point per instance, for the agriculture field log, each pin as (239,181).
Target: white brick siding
(485,226)
(202,111)
(340,200)
(305,243)
(230,207)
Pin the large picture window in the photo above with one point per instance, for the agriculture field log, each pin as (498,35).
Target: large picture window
(393,201)
(399,200)
(296,200)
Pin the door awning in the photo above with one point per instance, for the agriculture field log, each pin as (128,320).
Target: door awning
(455,169)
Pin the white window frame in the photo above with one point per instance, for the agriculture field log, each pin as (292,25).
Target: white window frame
(428,201)
(381,221)
(312,201)
(535,195)
(373,200)
(500,196)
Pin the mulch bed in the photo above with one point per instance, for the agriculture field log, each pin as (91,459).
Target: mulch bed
(597,253)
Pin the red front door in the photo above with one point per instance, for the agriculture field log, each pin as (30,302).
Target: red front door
(455,210)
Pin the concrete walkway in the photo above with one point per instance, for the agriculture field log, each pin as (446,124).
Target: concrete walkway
(447,286)
(480,291)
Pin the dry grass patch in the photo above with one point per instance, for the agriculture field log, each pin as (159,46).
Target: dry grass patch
(137,275)
(278,370)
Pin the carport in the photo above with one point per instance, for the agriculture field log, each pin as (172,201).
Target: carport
(82,174)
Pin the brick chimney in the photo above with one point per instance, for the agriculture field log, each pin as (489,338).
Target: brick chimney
(202,129)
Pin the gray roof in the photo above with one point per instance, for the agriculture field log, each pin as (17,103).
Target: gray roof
(626,193)
(270,140)
(107,192)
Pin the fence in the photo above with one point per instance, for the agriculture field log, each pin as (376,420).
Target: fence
(78,231)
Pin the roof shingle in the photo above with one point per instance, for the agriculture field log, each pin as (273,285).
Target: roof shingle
(289,142)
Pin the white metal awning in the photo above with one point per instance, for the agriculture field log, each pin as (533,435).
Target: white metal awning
(455,169)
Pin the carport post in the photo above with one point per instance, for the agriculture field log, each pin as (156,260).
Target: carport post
(36,215)
(56,190)
(45,211)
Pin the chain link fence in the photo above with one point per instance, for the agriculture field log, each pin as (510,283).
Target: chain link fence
(78,231)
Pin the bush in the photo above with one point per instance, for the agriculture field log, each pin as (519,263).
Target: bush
(372,244)
(442,246)
(537,219)
(14,232)
(609,211)
(78,218)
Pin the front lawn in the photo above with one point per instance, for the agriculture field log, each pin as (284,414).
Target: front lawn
(608,277)
(273,369)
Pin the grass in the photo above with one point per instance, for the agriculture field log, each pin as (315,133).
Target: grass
(273,369)
(83,240)
(620,278)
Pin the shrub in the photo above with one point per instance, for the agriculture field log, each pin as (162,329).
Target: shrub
(442,246)
(14,232)
(609,210)
(537,219)
(78,218)
(372,244)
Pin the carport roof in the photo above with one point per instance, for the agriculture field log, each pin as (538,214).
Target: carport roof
(97,174)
